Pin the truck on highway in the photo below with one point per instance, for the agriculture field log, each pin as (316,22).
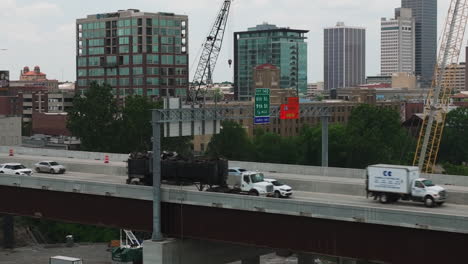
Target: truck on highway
(390,183)
(210,174)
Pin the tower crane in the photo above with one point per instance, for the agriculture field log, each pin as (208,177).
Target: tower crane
(210,52)
(438,100)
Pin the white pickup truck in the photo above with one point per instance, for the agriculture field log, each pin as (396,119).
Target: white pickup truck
(390,183)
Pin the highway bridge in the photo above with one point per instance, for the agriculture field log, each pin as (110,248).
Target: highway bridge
(311,222)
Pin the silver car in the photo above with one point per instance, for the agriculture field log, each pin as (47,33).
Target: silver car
(236,171)
(50,167)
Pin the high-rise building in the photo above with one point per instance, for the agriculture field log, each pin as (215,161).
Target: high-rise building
(425,14)
(398,43)
(344,56)
(284,48)
(137,53)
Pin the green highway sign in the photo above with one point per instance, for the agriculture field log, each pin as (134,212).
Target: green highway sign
(262,106)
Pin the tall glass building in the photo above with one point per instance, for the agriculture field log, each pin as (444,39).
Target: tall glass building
(425,14)
(136,53)
(344,56)
(268,44)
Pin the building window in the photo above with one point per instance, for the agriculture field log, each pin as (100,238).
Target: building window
(137,71)
(124,81)
(82,72)
(167,59)
(138,91)
(181,60)
(152,81)
(137,81)
(137,59)
(124,71)
(153,71)
(152,59)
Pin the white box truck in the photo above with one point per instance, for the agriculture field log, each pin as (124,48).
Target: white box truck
(390,183)
(64,260)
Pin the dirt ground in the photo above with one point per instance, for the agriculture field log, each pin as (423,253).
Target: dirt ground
(91,254)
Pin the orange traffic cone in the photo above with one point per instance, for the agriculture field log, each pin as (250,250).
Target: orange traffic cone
(106,159)
(11,153)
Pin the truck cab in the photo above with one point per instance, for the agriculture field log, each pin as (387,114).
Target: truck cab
(251,182)
(426,191)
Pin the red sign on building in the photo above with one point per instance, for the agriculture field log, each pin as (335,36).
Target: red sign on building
(290,110)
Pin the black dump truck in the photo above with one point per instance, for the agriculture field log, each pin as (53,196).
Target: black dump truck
(178,170)
(203,172)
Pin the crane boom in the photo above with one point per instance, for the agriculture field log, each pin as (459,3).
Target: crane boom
(210,53)
(438,100)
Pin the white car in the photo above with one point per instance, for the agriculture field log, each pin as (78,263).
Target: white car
(236,171)
(50,167)
(280,189)
(15,169)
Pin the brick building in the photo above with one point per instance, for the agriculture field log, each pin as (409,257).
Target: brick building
(53,124)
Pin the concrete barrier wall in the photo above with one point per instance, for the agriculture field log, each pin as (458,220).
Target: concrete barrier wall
(441,179)
(74,166)
(64,153)
(299,169)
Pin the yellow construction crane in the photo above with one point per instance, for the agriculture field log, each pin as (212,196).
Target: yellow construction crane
(438,100)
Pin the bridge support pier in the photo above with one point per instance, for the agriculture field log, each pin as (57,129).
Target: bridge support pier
(190,251)
(8,232)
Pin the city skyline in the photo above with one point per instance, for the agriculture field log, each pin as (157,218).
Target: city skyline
(43,32)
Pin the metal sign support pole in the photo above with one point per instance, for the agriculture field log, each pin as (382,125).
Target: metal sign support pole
(157,234)
(325,140)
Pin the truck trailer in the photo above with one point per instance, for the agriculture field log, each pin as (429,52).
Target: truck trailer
(390,183)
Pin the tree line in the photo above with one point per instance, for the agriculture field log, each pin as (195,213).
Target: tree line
(372,135)
(104,125)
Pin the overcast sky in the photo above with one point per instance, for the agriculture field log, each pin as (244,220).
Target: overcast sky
(42,32)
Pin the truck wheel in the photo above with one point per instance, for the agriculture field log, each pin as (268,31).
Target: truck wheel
(38,170)
(428,201)
(395,198)
(253,193)
(383,198)
(277,194)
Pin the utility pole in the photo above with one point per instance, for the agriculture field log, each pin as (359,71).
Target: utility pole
(324,119)
(157,233)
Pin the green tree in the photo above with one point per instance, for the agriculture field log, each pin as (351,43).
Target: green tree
(454,145)
(232,143)
(375,135)
(135,129)
(93,118)
(310,145)
(273,148)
